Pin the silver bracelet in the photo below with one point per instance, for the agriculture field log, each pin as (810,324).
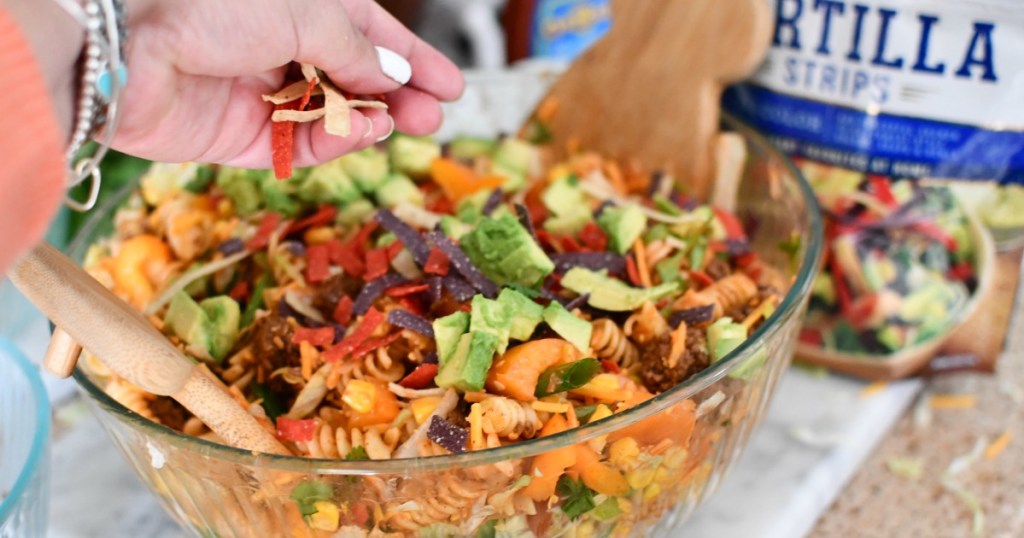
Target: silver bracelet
(102,78)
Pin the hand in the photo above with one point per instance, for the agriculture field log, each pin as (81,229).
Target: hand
(197,71)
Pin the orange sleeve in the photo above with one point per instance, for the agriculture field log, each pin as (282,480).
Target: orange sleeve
(32,171)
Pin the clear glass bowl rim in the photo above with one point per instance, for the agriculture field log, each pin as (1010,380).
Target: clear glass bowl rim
(661,402)
(40,436)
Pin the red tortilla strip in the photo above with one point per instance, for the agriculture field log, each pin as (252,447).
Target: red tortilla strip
(282,143)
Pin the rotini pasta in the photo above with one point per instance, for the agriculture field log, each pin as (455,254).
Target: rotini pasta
(442,325)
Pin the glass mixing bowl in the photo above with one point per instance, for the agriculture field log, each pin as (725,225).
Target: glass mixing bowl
(24,446)
(215,490)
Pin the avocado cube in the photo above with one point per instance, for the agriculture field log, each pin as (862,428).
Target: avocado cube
(187,320)
(569,223)
(524,313)
(517,156)
(611,294)
(467,369)
(397,189)
(505,252)
(447,331)
(490,316)
(564,197)
(453,227)
(279,195)
(355,212)
(468,148)
(575,330)
(367,167)
(623,226)
(412,155)
(223,316)
(241,189)
(329,184)
(514,180)
(724,336)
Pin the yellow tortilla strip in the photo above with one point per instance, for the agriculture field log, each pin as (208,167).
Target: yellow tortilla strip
(291,93)
(339,115)
(356,103)
(309,72)
(300,116)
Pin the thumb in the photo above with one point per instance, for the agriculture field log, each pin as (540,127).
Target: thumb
(328,39)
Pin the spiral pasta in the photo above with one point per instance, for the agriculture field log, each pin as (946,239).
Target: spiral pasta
(331,442)
(730,293)
(508,418)
(132,397)
(451,500)
(610,342)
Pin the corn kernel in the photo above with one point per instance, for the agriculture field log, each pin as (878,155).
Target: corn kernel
(652,492)
(675,458)
(604,387)
(662,476)
(225,207)
(625,506)
(623,453)
(600,412)
(360,395)
(423,407)
(326,516)
(640,478)
(318,235)
(585,529)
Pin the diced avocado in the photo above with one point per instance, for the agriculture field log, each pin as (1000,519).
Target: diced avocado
(490,316)
(164,181)
(891,336)
(397,189)
(524,314)
(564,197)
(700,220)
(517,156)
(223,315)
(750,366)
(514,181)
(384,240)
(467,368)
(355,212)
(198,286)
(506,252)
(211,324)
(241,189)
(823,289)
(468,148)
(623,226)
(412,155)
(279,195)
(569,223)
(577,331)
(654,233)
(447,331)
(471,208)
(329,184)
(610,294)
(930,301)
(187,320)
(367,167)
(669,269)
(724,336)
(453,227)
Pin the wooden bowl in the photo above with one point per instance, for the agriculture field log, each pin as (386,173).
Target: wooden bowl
(910,360)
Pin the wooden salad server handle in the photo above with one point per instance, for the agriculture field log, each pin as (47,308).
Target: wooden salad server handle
(650,89)
(131,347)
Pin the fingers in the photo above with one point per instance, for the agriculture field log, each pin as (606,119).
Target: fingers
(328,39)
(415,112)
(432,72)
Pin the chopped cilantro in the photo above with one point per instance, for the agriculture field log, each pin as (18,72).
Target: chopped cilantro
(309,492)
(608,509)
(578,498)
(272,403)
(357,453)
(583,413)
(487,530)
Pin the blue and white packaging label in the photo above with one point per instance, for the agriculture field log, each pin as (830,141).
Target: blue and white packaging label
(563,29)
(904,88)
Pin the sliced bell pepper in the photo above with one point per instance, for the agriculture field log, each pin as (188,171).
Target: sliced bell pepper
(420,378)
(732,225)
(593,237)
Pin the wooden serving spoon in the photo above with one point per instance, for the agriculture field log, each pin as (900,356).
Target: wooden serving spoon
(130,346)
(650,89)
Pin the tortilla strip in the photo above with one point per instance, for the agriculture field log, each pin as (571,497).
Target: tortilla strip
(291,92)
(356,103)
(299,116)
(339,114)
(309,72)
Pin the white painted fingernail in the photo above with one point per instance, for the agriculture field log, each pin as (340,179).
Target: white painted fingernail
(391,129)
(394,66)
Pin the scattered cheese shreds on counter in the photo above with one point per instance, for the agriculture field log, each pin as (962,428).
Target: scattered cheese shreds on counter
(998,446)
(805,435)
(949,482)
(910,468)
(952,401)
(872,389)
